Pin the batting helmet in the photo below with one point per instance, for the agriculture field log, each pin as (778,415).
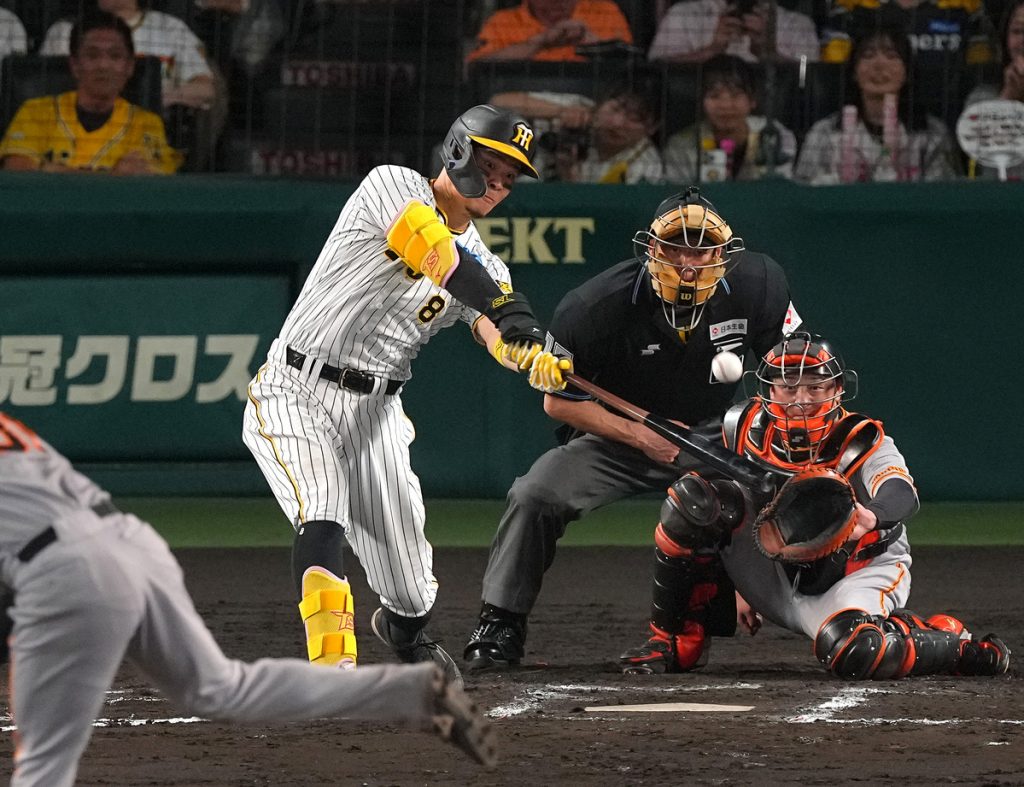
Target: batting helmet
(802,382)
(491,127)
(684,223)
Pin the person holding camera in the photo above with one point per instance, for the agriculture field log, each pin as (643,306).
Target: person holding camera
(730,142)
(614,147)
(694,31)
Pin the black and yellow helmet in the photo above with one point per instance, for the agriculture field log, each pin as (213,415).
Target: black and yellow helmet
(493,128)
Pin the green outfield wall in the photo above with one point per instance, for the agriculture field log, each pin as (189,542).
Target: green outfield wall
(134,311)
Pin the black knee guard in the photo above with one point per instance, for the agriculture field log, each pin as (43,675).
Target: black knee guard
(691,516)
(855,646)
(318,543)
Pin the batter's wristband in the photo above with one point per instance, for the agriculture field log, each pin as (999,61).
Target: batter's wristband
(498,351)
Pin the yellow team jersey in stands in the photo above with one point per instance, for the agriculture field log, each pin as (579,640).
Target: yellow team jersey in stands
(47,129)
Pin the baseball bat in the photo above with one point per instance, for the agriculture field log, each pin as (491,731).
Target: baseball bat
(734,466)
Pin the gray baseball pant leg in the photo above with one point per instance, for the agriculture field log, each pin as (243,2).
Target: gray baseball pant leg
(176,650)
(74,617)
(564,484)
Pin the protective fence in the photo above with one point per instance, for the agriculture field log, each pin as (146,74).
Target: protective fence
(133,314)
(825,91)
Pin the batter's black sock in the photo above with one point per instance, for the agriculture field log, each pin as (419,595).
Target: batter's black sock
(404,631)
(318,543)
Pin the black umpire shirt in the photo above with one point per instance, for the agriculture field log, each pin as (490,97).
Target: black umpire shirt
(614,327)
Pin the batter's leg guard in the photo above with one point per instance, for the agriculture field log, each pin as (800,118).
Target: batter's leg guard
(667,652)
(328,614)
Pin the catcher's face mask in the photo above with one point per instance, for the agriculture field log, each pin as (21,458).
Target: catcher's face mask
(802,385)
(687,251)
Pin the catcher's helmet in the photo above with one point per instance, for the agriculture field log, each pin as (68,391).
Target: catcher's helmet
(491,127)
(684,226)
(802,382)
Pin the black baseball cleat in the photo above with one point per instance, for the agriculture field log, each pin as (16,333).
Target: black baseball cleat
(666,652)
(457,720)
(498,640)
(987,656)
(413,646)
(654,657)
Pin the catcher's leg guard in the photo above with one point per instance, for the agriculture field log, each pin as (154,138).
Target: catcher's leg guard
(667,652)
(856,645)
(328,614)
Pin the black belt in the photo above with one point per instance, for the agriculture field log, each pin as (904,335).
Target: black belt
(48,536)
(353,379)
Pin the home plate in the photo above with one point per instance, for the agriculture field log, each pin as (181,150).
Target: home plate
(672,707)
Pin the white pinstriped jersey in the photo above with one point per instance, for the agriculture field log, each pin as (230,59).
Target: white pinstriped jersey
(362,309)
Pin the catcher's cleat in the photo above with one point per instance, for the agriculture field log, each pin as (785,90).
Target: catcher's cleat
(457,720)
(413,646)
(327,613)
(987,656)
(498,640)
(665,652)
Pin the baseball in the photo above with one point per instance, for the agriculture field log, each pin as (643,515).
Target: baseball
(727,367)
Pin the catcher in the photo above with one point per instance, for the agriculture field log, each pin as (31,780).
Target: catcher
(828,556)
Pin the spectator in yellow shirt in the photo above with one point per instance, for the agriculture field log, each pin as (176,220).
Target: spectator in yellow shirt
(91,129)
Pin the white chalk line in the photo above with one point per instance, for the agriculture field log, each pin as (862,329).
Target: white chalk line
(826,712)
(536,698)
(123,695)
(853,696)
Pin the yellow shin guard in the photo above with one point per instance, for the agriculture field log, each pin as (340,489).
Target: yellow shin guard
(327,612)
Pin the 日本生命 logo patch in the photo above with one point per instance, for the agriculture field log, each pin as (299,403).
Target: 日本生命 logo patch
(719,329)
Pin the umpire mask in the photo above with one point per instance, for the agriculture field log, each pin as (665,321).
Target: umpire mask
(687,250)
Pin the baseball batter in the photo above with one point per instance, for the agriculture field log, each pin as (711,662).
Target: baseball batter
(325,419)
(851,603)
(93,585)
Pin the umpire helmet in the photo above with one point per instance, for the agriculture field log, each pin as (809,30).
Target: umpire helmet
(491,127)
(802,382)
(685,223)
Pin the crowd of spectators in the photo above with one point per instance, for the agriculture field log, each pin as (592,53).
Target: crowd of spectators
(902,73)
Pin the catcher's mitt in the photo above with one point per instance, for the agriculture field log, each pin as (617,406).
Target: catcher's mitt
(812,516)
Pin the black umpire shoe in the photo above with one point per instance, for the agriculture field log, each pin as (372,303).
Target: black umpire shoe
(412,645)
(498,640)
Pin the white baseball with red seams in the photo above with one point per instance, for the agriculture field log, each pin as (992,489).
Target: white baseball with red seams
(727,367)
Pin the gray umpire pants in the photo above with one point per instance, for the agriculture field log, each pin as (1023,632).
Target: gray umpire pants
(563,485)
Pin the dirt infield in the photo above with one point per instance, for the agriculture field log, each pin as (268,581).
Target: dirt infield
(804,727)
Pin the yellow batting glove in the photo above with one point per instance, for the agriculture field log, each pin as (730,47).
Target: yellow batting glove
(522,354)
(547,373)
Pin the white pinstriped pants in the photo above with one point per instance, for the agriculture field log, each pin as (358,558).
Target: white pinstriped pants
(335,454)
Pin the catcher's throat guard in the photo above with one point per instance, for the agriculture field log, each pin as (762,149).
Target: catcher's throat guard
(812,516)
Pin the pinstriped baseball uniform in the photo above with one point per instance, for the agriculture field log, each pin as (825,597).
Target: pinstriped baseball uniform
(879,587)
(94,585)
(331,453)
